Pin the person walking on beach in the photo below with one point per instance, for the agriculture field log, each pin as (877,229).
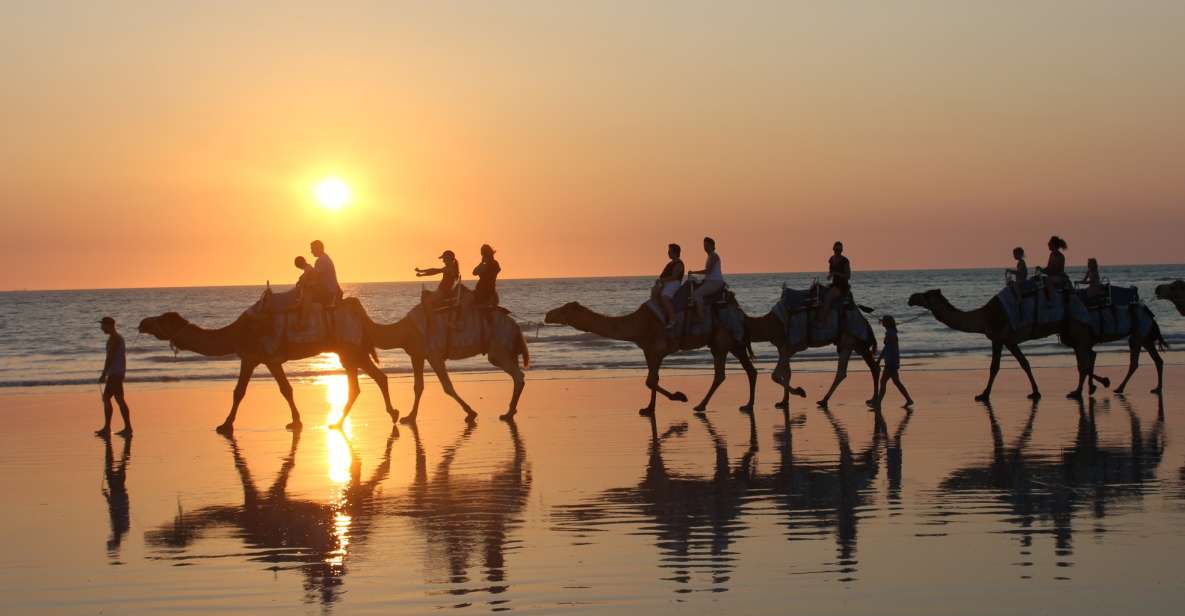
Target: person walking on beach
(713,279)
(114,369)
(891,357)
(326,290)
(486,291)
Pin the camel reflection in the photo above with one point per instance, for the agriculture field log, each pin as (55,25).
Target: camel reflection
(283,531)
(466,517)
(821,496)
(1085,476)
(115,492)
(694,520)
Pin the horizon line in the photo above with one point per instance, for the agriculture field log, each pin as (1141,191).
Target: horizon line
(356,282)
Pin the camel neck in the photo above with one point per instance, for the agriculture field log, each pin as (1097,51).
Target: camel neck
(208,342)
(973,321)
(628,328)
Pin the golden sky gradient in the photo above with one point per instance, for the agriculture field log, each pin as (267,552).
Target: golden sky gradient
(172,144)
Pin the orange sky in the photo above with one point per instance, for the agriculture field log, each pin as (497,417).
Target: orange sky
(169,146)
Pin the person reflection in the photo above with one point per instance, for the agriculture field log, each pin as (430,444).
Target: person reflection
(1040,488)
(465,516)
(280,529)
(693,520)
(115,492)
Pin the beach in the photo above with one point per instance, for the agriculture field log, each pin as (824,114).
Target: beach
(583,506)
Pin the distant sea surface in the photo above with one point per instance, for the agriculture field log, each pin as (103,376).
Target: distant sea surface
(52,338)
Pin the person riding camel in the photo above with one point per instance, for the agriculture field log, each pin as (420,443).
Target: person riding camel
(450,276)
(668,283)
(1093,280)
(1055,269)
(326,290)
(1020,275)
(486,291)
(713,279)
(839,272)
(305,288)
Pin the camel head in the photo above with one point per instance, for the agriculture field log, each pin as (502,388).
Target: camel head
(564,314)
(1174,292)
(164,326)
(926,299)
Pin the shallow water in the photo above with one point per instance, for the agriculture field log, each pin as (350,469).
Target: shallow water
(582,506)
(52,338)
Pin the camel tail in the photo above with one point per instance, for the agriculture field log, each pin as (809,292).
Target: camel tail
(522,348)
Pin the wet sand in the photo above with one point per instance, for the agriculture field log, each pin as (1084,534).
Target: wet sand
(583,506)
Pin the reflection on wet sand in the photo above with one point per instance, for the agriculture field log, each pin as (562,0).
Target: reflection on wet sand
(815,497)
(694,520)
(115,492)
(284,531)
(1049,487)
(467,517)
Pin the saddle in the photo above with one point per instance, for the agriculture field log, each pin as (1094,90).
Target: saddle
(797,301)
(1111,297)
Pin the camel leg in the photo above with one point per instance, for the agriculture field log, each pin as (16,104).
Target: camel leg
(1024,365)
(246,368)
(997,348)
(510,366)
(1133,363)
(417,369)
(380,379)
(875,368)
(783,368)
(352,377)
(742,356)
(718,359)
(446,383)
(841,373)
(1082,358)
(1155,355)
(653,365)
(277,371)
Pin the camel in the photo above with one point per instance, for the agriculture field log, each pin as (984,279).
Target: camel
(643,328)
(991,321)
(502,342)
(1174,292)
(242,338)
(770,328)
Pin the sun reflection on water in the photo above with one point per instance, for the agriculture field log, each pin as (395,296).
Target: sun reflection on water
(339,462)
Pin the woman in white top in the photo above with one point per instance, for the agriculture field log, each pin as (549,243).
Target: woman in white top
(713,278)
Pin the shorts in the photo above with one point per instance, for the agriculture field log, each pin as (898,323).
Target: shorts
(670,288)
(114,386)
(841,284)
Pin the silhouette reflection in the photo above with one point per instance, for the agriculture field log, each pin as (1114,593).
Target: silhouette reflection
(465,517)
(283,531)
(115,492)
(694,520)
(1052,487)
(820,496)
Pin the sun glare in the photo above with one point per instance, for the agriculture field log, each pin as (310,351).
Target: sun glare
(332,193)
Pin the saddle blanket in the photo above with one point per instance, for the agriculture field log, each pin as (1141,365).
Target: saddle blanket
(798,311)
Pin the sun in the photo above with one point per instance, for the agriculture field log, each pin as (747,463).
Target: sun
(332,193)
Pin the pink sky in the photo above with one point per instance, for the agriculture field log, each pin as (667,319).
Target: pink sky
(173,146)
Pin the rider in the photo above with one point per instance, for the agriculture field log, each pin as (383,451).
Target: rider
(839,272)
(305,289)
(668,282)
(486,292)
(1055,270)
(326,290)
(713,279)
(451,275)
(1020,275)
(1092,279)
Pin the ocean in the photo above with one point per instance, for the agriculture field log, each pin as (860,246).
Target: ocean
(52,338)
